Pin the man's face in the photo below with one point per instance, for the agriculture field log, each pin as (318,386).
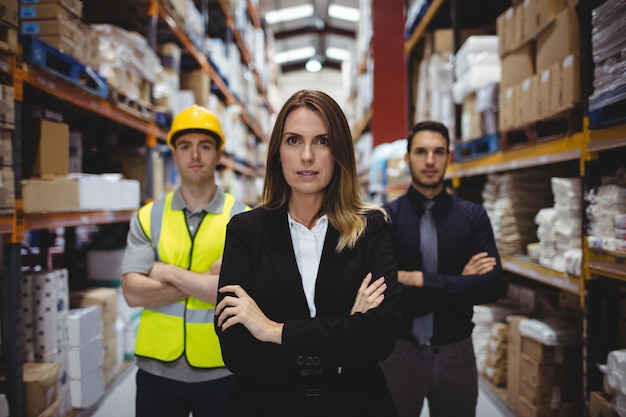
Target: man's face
(196,155)
(427,161)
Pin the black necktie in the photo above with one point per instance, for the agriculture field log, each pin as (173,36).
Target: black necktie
(423,325)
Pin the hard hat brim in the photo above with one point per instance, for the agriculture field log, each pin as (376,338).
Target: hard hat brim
(218,139)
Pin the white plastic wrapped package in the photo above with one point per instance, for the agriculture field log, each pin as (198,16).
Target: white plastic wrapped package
(551,331)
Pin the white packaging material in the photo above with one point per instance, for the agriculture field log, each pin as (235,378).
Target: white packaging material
(474,79)
(616,370)
(573,259)
(620,220)
(4,406)
(28,316)
(87,391)
(86,358)
(551,331)
(477,50)
(45,292)
(83,325)
(619,402)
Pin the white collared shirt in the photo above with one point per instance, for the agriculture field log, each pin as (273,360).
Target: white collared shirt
(307,246)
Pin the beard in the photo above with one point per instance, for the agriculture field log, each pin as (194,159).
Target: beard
(429,185)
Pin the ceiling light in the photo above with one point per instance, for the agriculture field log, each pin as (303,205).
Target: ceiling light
(337,53)
(313,65)
(289,13)
(294,54)
(344,13)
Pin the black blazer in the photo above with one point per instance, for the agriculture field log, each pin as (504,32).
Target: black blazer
(334,356)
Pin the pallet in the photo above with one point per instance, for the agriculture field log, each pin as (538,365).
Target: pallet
(556,124)
(132,105)
(610,114)
(50,59)
(475,148)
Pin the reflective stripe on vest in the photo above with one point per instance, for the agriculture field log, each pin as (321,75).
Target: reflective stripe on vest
(166,332)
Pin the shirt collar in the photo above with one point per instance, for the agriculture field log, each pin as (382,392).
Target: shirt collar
(443,200)
(322,221)
(215,206)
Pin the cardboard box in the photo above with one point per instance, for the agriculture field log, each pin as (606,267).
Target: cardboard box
(558,40)
(530,21)
(7,191)
(199,82)
(86,358)
(79,193)
(51,141)
(7,105)
(555,85)
(73,6)
(600,405)
(545,89)
(443,39)
(547,10)
(561,355)
(87,390)
(517,65)
(105,298)
(40,386)
(44,11)
(526,409)
(570,80)
(8,12)
(83,325)
(514,346)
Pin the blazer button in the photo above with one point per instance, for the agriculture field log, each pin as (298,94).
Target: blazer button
(309,361)
(317,361)
(300,360)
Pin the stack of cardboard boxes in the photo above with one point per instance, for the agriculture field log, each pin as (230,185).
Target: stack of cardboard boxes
(540,52)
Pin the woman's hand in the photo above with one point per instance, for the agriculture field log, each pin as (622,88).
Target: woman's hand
(240,308)
(369,296)
(480,264)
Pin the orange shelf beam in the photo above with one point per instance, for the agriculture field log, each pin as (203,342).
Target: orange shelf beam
(75,95)
(423,25)
(208,68)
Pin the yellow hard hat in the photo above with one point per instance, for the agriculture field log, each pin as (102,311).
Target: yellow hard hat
(196,119)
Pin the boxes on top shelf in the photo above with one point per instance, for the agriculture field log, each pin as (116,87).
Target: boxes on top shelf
(9,12)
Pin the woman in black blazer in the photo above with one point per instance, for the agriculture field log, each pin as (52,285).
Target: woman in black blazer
(288,323)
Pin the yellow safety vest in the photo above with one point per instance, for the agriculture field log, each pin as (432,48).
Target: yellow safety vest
(186,326)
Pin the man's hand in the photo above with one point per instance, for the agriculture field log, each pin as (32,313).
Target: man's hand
(480,264)
(369,296)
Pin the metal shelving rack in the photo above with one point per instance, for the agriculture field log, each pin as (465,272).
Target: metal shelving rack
(12,227)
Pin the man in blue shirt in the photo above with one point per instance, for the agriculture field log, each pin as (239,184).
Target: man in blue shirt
(447,263)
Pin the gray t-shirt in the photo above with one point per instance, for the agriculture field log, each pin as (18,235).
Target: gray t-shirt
(139,257)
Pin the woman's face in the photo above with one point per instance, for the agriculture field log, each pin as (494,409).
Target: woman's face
(305,155)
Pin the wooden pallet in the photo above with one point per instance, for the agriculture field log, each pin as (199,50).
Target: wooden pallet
(475,148)
(556,124)
(50,59)
(132,105)
(610,114)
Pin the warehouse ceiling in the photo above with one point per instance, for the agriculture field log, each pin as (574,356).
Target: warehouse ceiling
(320,30)
(317,31)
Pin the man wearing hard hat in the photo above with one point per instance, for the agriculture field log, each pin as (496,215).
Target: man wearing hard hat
(171,269)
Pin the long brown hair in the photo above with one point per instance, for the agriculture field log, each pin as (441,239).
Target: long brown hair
(342,201)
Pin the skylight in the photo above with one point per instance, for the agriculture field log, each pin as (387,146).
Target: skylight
(337,53)
(294,54)
(289,13)
(344,13)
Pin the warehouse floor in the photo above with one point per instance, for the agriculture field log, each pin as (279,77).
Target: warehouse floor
(120,401)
